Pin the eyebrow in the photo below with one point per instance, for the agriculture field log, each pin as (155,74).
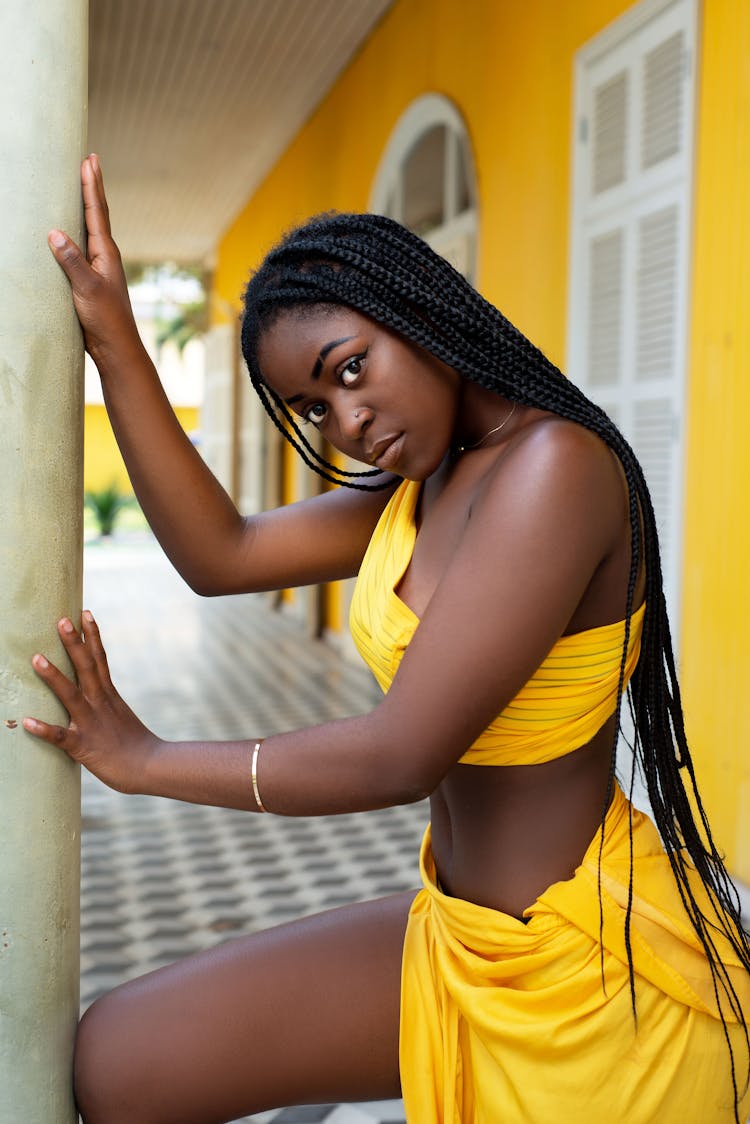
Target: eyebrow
(318,365)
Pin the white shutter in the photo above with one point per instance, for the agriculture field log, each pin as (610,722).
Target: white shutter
(605,303)
(609,121)
(663,101)
(628,290)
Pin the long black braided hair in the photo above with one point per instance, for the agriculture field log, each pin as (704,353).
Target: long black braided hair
(379,268)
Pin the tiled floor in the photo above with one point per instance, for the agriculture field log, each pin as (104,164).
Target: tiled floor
(162,879)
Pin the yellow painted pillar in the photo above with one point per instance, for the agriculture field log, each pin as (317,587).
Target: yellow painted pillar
(42,138)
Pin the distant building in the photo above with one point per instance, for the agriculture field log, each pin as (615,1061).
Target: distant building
(182,375)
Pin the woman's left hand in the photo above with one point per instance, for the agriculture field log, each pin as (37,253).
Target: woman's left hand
(103,733)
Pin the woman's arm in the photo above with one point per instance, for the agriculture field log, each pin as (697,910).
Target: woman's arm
(106,737)
(214,548)
(546,519)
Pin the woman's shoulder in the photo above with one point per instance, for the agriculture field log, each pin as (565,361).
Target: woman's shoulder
(550,463)
(542,431)
(545,445)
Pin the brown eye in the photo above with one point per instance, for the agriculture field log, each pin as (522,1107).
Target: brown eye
(315,414)
(351,371)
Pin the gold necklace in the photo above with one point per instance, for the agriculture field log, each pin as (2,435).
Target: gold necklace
(504,422)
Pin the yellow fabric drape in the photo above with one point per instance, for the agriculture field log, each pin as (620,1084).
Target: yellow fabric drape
(508,1023)
(567,699)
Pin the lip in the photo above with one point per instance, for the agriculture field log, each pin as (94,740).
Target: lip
(385,453)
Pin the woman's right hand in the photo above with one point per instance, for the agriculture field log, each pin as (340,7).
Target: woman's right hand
(102,733)
(100,291)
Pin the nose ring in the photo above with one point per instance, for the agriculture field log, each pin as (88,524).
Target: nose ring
(356,413)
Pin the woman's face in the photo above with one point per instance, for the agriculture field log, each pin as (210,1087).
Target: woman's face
(373,395)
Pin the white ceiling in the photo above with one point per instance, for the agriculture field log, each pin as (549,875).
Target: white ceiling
(192,101)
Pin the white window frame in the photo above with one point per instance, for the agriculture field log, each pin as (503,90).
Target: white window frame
(614,42)
(456,238)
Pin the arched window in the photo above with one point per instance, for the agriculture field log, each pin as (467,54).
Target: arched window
(426,180)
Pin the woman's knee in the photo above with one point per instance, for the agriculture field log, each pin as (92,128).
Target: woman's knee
(103,1070)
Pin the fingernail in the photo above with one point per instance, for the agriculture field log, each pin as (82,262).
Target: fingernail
(30,724)
(66,625)
(57,238)
(40,661)
(88,616)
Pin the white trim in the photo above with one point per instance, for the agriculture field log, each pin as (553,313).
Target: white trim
(216,411)
(623,27)
(456,237)
(421,115)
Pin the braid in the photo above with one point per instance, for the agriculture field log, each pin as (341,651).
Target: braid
(379,268)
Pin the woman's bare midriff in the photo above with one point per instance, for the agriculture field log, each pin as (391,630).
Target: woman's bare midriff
(503,834)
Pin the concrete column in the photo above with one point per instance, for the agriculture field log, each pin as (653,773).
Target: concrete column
(43,80)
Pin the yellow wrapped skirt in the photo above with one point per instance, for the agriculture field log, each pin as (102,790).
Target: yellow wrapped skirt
(508,1023)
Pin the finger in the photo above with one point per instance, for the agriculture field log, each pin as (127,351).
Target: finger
(65,690)
(96,165)
(69,257)
(95,210)
(55,735)
(83,660)
(94,644)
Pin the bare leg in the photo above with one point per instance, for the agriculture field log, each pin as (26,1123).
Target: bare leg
(303,1013)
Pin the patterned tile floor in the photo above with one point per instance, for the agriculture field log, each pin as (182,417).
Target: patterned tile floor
(162,879)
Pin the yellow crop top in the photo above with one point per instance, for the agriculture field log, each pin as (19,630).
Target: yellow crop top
(561,707)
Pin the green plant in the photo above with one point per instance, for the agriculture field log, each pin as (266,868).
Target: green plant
(189,322)
(106,505)
(179,317)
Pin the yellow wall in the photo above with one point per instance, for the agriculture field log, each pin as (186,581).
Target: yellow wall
(517,106)
(102,463)
(509,68)
(716,602)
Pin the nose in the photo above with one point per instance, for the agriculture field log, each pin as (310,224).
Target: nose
(355,421)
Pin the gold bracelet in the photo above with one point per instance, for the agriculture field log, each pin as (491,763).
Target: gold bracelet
(254,775)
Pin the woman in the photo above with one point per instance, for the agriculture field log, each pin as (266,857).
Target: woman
(557,958)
